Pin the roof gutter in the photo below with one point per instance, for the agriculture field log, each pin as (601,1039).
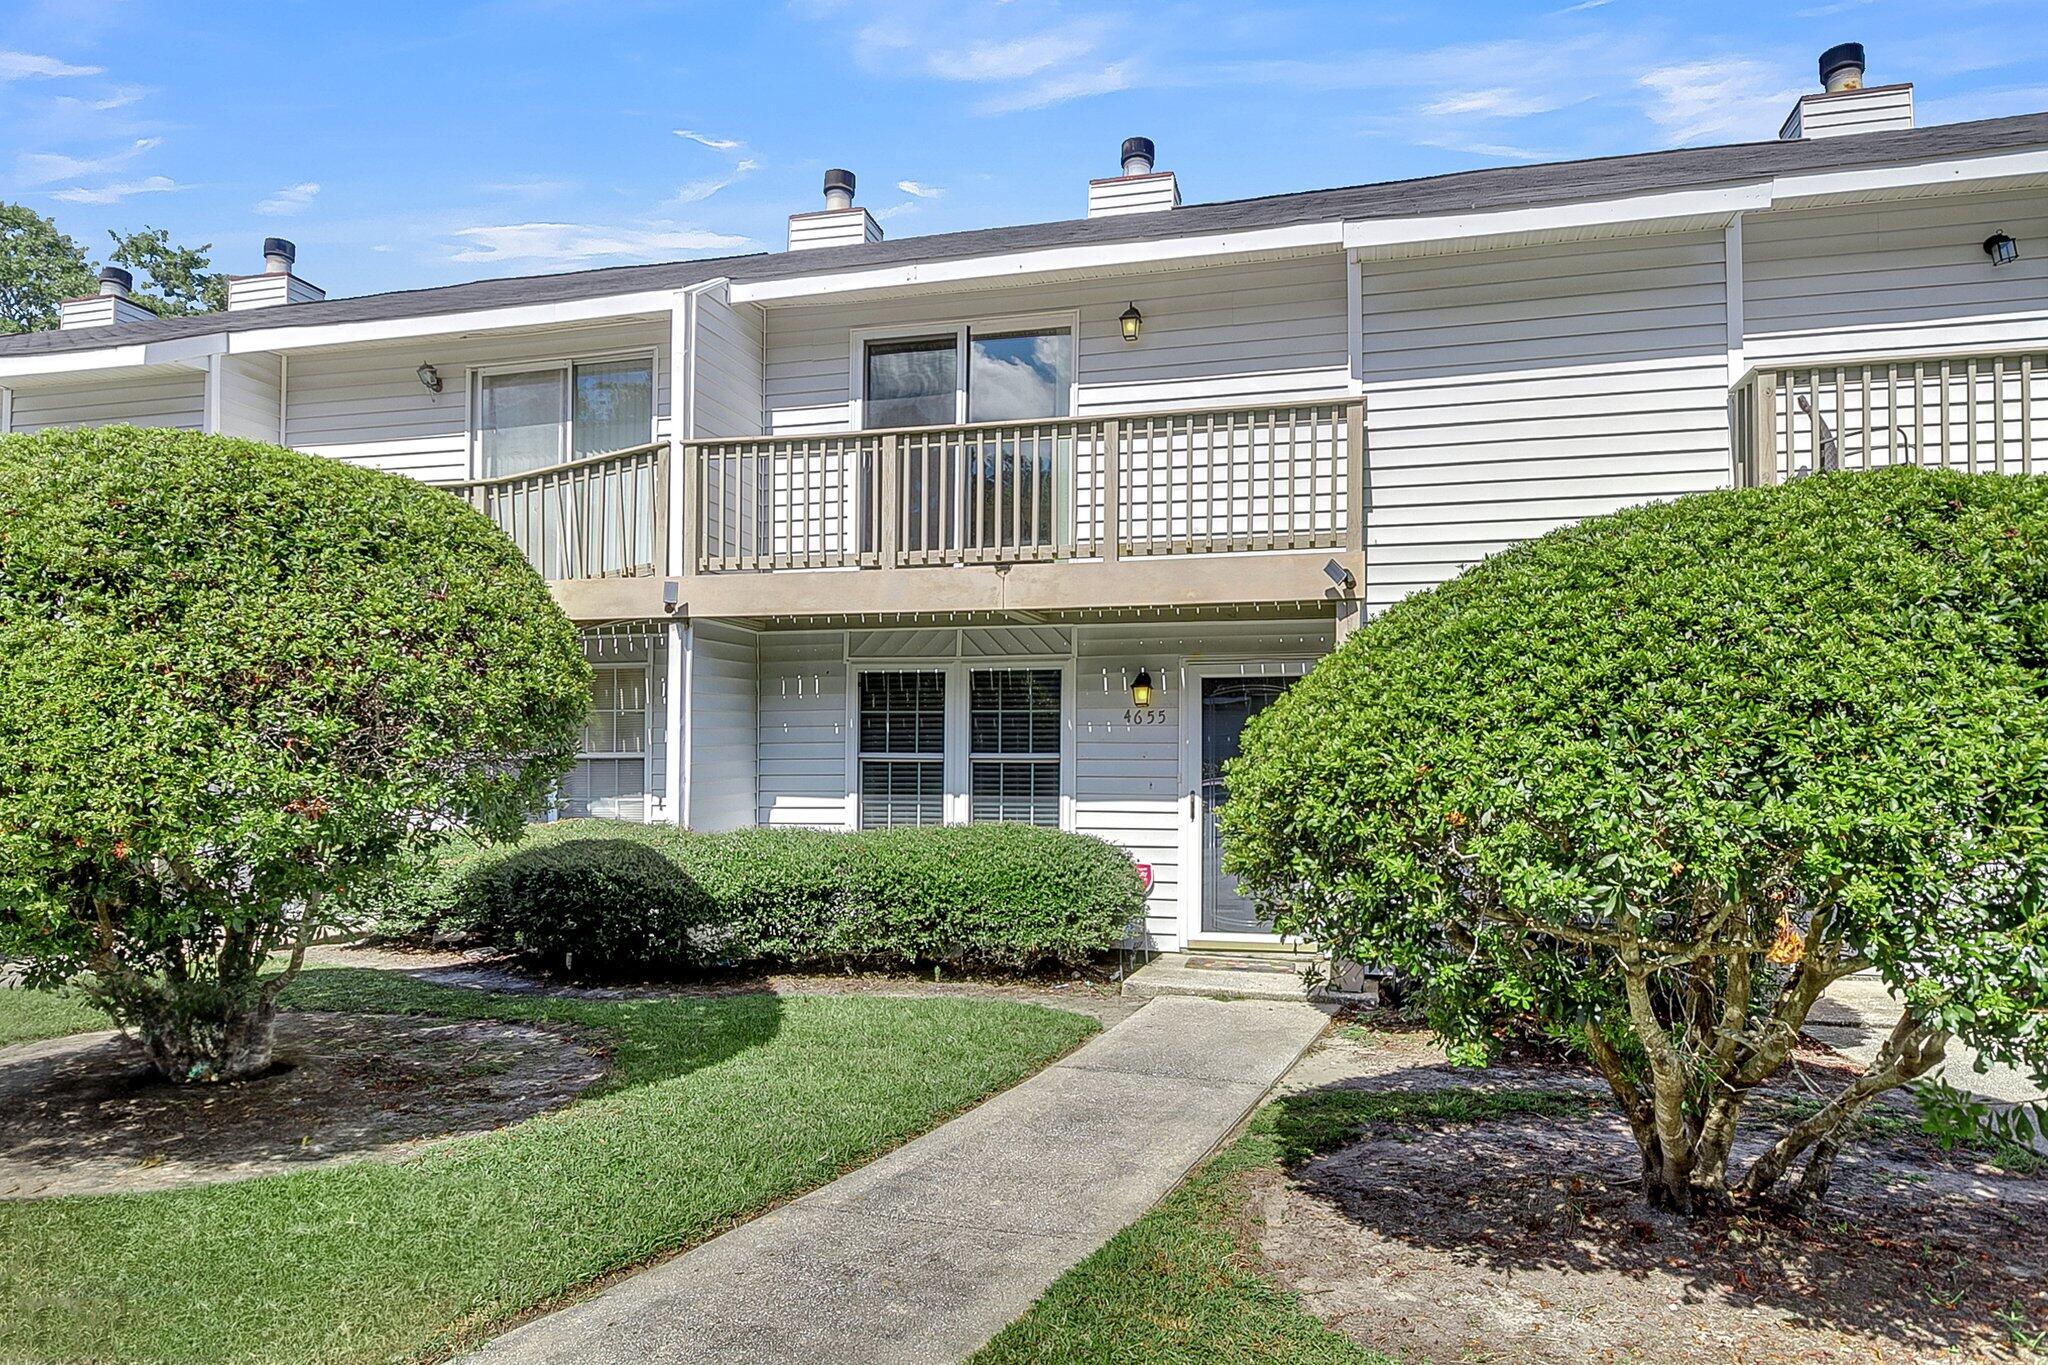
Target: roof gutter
(192,351)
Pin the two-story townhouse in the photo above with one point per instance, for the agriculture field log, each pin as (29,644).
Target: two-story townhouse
(1024,523)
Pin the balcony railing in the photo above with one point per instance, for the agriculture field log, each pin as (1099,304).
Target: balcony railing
(1260,478)
(1244,479)
(1977,413)
(602,516)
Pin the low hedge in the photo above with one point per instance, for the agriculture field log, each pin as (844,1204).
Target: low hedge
(610,897)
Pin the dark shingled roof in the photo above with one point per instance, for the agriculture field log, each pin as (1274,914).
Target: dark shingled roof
(1464,192)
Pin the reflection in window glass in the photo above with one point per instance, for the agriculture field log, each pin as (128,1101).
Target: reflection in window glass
(614,405)
(1017,375)
(520,421)
(610,776)
(912,383)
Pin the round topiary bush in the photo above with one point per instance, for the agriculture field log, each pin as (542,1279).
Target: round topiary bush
(234,682)
(1659,778)
(603,904)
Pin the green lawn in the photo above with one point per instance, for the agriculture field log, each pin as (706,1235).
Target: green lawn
(715,1109)
(1181,1286)
(28,1016)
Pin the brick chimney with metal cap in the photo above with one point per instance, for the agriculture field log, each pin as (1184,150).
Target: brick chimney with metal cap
(278,284)
(1139,189)
(1844,104)
(111,306)
(839,223)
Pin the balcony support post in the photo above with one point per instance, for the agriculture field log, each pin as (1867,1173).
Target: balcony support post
(1112,456)
(659,555)
(1354,476)
(889,509)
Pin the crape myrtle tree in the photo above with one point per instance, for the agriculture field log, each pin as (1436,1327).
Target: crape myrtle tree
(235,682)
(1656,780)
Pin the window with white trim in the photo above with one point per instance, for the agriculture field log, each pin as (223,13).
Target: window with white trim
(998,372)
(610,776)
(530,417)
(902,737)
(1013,735)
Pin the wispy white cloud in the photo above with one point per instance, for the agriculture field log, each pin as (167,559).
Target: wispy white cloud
(1501,102)
(116,191)
(716,144)
(17,66)
(908,206)
(699,190)
(538,188)
(576,243)
(1016,59)
(1717,99)
(1583,6)
(917,190)
(1071,85)
(289,200)
(1497,151)
(45,168)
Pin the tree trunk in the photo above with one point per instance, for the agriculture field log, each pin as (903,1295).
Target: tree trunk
(231,1043)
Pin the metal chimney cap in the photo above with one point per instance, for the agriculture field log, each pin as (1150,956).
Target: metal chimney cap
(116,276)
(278,246)
(1839,56)
(837,179)
(1138,146)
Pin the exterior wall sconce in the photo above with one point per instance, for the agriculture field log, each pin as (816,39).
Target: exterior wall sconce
(1141,689)
(1132,320)
(2000,247)
(429,377)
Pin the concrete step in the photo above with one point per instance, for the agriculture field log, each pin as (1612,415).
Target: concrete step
(1227,976)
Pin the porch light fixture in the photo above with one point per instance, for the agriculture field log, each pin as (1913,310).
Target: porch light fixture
(1132,320)
(1141,689)
(1999,246)
(429,377)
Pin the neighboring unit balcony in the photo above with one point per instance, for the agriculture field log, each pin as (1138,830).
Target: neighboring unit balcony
(1981,413)
(1204,507)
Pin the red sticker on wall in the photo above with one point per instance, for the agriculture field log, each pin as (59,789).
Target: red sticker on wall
(1145,877)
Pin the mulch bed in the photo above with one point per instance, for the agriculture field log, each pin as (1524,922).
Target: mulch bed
(85,1115)
(1526,1239)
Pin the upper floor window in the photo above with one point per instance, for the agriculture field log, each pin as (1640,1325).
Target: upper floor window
(534,416)
(982,373)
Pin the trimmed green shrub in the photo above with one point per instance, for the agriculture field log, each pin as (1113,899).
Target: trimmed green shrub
(236,683)
(599,905)
(1659,778)
(624,897)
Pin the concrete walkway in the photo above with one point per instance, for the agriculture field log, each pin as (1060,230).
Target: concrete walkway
(927,1252)
(1859,1012)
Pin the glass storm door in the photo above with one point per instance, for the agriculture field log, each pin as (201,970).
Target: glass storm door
(1227,703)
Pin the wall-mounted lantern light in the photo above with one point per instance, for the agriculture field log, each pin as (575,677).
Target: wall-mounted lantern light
(1141,689)
(429,377)
(2001,248)
(1132,320)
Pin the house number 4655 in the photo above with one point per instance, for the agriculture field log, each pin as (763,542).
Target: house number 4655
(1151,716)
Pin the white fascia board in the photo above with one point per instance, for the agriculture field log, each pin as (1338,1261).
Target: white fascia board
(1050,260)
(308,337)
(1682,205)
(1792,191)
(188,351)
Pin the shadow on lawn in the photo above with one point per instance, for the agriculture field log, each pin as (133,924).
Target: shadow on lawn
(370,1063)
(1501,1184)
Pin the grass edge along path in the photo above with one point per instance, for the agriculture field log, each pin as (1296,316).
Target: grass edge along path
(31,1016)
(1184,1285)
(715,1109)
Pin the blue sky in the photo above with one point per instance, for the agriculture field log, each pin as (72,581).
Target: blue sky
(420,143)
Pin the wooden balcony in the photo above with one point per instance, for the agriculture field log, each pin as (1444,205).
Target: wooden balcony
(1130,509)
(1980,413)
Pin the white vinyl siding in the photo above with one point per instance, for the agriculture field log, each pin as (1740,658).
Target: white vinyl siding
(248,396)
(1512,392)
(723,726)
(803,777)
(726,359)
(167,396)
(1897,279)
(366,405)
(1213,337)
